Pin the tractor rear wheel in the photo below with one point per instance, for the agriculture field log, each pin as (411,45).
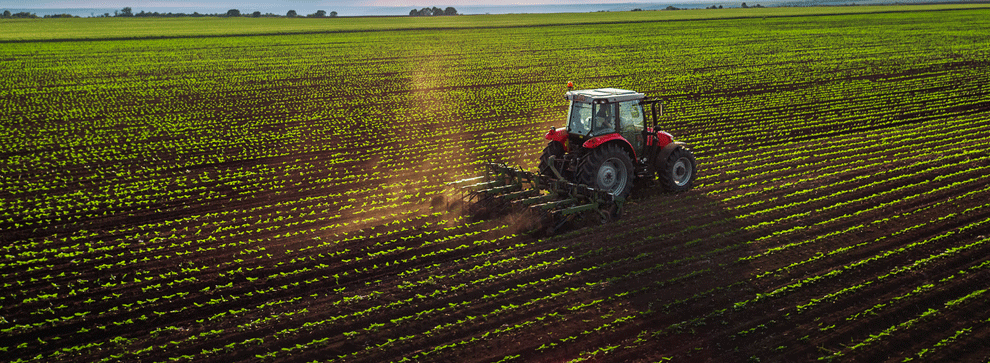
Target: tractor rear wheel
(677,173)
(555,149)
(609,168)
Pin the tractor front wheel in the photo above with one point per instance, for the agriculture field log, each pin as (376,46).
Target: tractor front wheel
(608,168)
(678,172)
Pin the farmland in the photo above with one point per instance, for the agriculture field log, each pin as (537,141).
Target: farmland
(208,191)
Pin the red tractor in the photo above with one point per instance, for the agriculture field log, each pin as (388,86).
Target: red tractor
(608,144)
(590,165)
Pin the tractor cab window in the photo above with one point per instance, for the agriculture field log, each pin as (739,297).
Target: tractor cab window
(580,118)
(631,119)
(605,119)
(631,116)
(592,119)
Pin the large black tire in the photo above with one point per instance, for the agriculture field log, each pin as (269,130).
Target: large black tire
(678,172)
(555,149)
(608,168)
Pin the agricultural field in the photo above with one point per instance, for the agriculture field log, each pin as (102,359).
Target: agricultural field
(207,191)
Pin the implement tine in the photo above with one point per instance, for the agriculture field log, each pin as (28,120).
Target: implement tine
(556,201)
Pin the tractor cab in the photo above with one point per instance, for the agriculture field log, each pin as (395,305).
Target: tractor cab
(604,111)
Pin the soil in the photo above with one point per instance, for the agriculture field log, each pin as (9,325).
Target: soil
(694,276)
(838,229)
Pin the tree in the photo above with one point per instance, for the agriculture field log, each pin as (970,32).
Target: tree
(319,14)
(6,13)
(434,11)
(256,14)
(291,14)
(744,6)
(333,14)
(233,12)
(24,15)
(125,12)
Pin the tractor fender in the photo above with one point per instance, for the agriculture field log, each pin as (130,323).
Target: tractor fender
(662,138)
(669,149)
(558,135)
(610,138)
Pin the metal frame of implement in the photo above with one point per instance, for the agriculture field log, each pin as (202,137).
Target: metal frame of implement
(557,201)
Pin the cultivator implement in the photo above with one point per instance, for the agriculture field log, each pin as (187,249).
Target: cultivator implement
(555,202)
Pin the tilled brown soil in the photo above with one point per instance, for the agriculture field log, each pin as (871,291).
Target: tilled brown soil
(833,256)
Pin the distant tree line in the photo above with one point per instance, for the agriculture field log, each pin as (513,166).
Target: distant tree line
(744,6)
(26,15)
(129,13)
(434,11)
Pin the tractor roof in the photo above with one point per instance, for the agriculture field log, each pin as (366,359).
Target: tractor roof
(604,95)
